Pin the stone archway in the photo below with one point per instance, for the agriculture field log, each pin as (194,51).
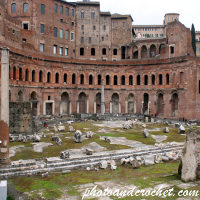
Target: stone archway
(65,103)
(146,104)
(153,50)
(130,103)
(34,103)
(82,102)
(20,96)
(98,102)
(115,103)
(160,106)
(144,51)
(174,103)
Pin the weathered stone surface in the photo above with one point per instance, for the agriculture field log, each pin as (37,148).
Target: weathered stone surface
(103,164)
(89,151)
(71,129)
(127,126)
(107,139)
(45,175)
(59,141)
(55,129)
(61,128)
(165,158)
(177,125)
(152,120)
(166,130)
(25,140)
(66,172)
(144,125)
(113,167)
(64,154)
(135,164)
(158,159)
(181,129)
(36,138)
(146,133)
(20,138)
(89,134)
(78,136)
(149,160)
(54,138)
(190,156)
(166,123)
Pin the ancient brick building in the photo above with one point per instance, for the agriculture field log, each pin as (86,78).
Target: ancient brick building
(60,52)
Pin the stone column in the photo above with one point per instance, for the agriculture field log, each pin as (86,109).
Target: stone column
(87,106)
(111,107)
(77,107)
(135,107)
(102,97)
(120,108)
(95,108)
(70,107)
(126,106)
(4,122)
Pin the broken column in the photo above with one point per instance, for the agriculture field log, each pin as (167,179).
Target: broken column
(4,122)
(102,97)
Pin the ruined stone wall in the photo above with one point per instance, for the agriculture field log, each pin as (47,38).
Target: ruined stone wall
(20,118)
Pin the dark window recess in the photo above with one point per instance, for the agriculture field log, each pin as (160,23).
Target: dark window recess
(115,80)
(42,28)
(90,79)
(107,80)
(81,51)
(55,32)
(99,79)
(49,97)
(73,79)
(72,23)
(130,80)
(138,79)
(42,9)
(55,8)
(25,26)
(93,52)
(172,50)
(82,79)
(160,79)
(146,80)
(23,40)
(65,78)
(61,20)
(114,51)
(123,80)
(104,51)
(153,79)
(167,79)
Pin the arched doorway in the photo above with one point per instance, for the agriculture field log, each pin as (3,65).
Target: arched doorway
(130,103)
(98,102)
(160,106)
(34,103)
(152,50)
(174,105)
(146,104)
(115,103)
(82,102)
(144,51)
(135,52)
(20,95)
(65,103)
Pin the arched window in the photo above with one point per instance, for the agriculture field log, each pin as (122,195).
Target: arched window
(104,51)
(123,80)
(57,78)
(90,80)
(167,79)
(41,76)
(82,14)
(25,7)
(73,78)
(65,78)
(13,8)
(153,79)
(14,73)
(138,79)
(33,76)
(115,80)
(48,77)
(82,79)
(107,80)
(92,51)
(26,75)
(99,79)
(130,80)
(20,74)
(146,79)
(160,79)
(114,51)
(104,27)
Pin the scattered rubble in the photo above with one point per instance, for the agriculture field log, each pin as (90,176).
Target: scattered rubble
(103,164)
(64,154)
(59,141)
(36,138)
(89,151)
(61,128)
(146,133)
(89,134)
(71,129)
(127,126)
(78,136)
(166,130)
(181,129)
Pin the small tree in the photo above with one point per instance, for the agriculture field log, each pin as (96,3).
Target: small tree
(193,39)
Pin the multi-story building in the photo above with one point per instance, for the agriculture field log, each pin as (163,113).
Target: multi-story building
(198,43)
(60,52)
(147,31)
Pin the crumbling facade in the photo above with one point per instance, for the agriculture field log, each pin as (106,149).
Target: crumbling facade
(60,52)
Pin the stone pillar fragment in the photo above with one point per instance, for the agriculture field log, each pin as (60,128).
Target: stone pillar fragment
(4,122)
(102,97)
